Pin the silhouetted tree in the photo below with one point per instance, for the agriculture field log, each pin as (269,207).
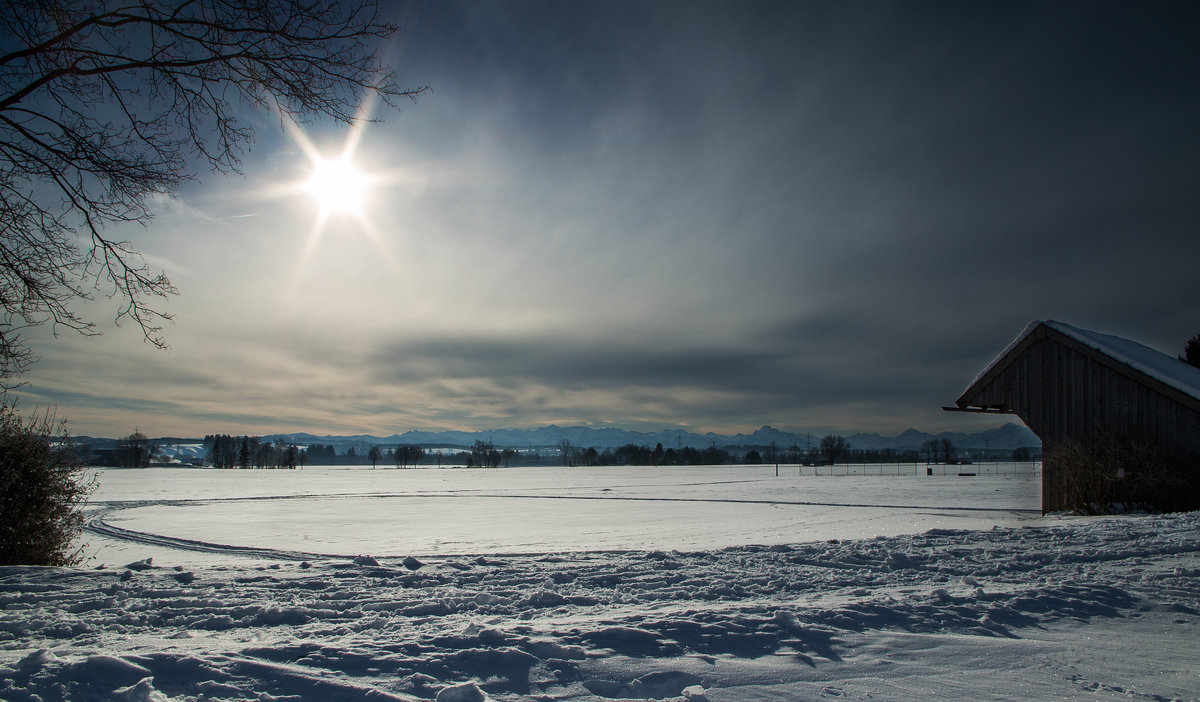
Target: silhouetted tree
(949,452)
(834,447)
(753,458)
(135,451)
(374,455)
(484,455)
(408,455)
(103,105)
(1191,352)
(632,455)
(319,455)
(222,451)
(43,487)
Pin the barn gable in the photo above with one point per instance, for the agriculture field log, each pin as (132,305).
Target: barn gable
(1070,383)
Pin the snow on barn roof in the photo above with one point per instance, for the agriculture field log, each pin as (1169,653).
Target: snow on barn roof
(1141,358)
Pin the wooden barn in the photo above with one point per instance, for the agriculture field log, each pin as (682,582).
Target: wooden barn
(1069,383)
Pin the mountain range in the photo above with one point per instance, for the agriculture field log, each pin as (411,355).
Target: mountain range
(1007,437)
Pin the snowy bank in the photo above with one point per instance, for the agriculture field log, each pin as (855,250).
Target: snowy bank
(1095,608)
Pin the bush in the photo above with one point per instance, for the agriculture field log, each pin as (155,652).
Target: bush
(43,486)
(1107,472)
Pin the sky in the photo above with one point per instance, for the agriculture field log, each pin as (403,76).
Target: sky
(822,216)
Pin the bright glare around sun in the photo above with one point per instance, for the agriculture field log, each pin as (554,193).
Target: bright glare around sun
(338,186)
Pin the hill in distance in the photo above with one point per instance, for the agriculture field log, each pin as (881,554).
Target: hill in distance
(1007,437)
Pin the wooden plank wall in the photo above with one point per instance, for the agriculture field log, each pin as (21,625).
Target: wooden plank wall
(1061,389)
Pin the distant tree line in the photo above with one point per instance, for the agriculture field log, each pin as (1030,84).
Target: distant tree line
(134,451)
(939,451)
(226,451)
(638,455)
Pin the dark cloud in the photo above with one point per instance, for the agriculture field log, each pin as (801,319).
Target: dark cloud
(736,213)
(824,206)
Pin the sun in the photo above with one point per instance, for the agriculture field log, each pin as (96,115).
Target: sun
(342,190)
(338,186)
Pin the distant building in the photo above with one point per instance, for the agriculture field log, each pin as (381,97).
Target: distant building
(1070,383)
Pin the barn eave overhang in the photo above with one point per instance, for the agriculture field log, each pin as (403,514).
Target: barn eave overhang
(1040,330)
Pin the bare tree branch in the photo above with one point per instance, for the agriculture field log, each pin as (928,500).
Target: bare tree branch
(105,104)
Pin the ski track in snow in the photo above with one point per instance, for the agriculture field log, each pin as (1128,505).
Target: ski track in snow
(1090,608)
(97,523)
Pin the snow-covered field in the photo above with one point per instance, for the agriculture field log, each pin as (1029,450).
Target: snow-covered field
(352,511)
(719,583)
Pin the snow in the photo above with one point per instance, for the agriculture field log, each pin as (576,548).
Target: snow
(939,587)
(310,513)
(1155,364)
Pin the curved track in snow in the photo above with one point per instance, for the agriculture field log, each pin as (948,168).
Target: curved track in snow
(99,525)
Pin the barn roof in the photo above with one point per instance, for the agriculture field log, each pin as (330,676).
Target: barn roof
(1138,357)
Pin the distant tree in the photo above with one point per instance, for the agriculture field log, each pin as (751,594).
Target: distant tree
(834,447)
(374,455)
(949,452)
(322,455)
(713,456)
(407,455)
(1021,455)
(135,451)
(484,455)
(222,451)
(508,454)
(43,487)
(658,456)
(930,451)
(244,454)
(1191,352)
(262,453)
(753,458)
(630,455)
(772,454)
(564,450)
